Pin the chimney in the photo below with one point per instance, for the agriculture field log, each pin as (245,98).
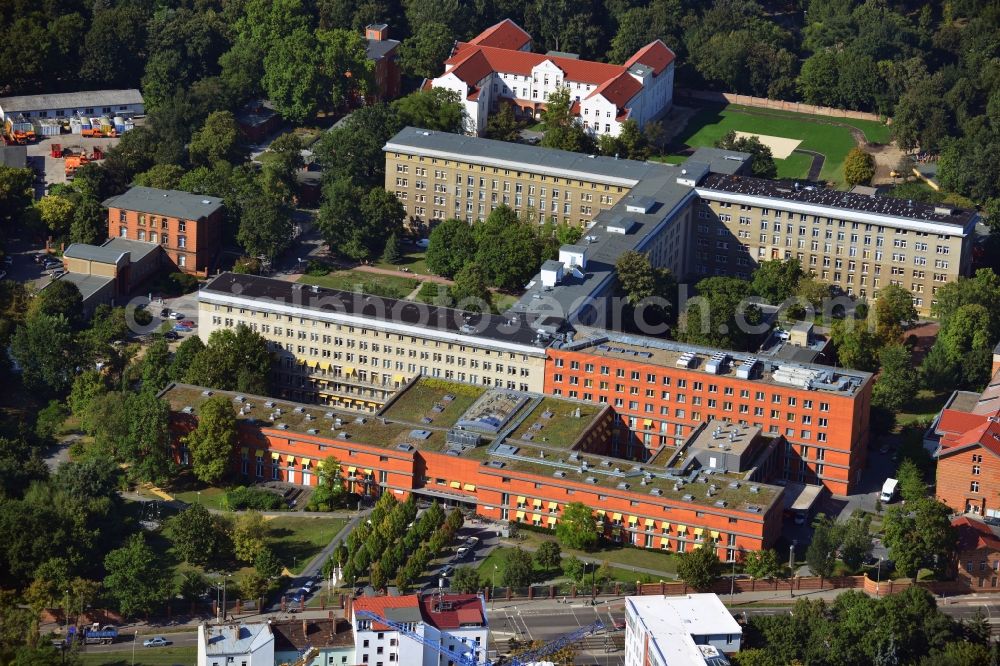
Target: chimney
(377,32)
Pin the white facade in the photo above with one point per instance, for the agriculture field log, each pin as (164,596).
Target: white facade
(678,631)
(250,644)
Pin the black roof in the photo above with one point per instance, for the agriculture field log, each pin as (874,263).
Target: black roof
(509,328)
(822,196)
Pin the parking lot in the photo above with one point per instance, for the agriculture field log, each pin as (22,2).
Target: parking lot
(41,160)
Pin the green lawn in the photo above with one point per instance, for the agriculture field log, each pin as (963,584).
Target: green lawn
(165,656)
(210,496)
(503,302)
(298,540)
(389,286)
(924,406)
(622,556)
(619,565)
(875,132)
(415,261)
(710,123)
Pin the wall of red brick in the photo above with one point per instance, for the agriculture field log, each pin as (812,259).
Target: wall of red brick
(203,237)
(955,478)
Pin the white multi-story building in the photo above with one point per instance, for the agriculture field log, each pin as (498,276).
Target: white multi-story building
(244,644)
(498,66)
(692,630)
(456,622)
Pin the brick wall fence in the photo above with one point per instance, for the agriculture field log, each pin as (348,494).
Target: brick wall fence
(776,104)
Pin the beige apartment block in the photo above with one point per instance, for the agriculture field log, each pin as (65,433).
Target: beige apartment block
(438,176)
(353,350)
(857,242)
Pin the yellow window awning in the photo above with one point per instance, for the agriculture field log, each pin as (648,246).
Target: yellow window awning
(455,484)
(520,515)
(552,520)
(346,401)
(632,520)
(616,516)
(553,505)
(600,513)
(665,544)
(291,460)
(536,502)
(260,453)
(470,487)
(244,450)
(398,379)
(697,546)
(698,531)
(682,528)
(312,364)
(352,470)
(649,522)
(275,456)
(348,370)
(373,404)
(715,535)
(665,527)
(326,366)
(647,422)
(520,499)
(536,518)
(368,471)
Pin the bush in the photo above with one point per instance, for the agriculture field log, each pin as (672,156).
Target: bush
(174,284)
(247,265)
(241,498)
(317,268)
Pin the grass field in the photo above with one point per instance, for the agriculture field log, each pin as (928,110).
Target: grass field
(496,557)
(389,286)
(924,406)
(209,496)
(616,555)
(415,261)
(297,540)
(165,656)
(710,123)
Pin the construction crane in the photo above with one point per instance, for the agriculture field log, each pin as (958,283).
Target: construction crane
(468,657)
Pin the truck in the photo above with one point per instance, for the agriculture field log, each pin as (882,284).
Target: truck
(889,490)
(95,634)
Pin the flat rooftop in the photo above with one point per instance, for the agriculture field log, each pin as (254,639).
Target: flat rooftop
(87,284)
(519,156)
(71,101)
(170,203)
(507,331)
(137,249)
(820,196)
(676,355)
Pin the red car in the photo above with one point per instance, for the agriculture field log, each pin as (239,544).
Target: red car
(187,322)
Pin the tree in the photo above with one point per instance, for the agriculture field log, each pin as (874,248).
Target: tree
(762,564)
(575,568)
(357,224)
(136,578)
(265,228)
(516,568)
(761,159)
(776,280)
(437,109)
(721,315)
(145,447)
(911,481)
(89,225)
(504,125)
(548,555)
(195,535)
(377,576)
(857,344)
(347,70)
(267,564)
(184,356)
(466,580)
(562,129)
(192,586)
(249,536)
(855,539)
(421,55)
(392,252)
(698,568)
(920,535)
(576,527)
(351,153)
(469,292)
(211,442)
(162,176)
(278,177)
(897,379)
(253,585)
(57,213)
(859,167)
(233,360)
(892,311)
(50,419)
(508,250)
(452,246)
(218,139)
(155,365)
(45,349)
(293,77)
(16,194)
(59,298)
(821,556)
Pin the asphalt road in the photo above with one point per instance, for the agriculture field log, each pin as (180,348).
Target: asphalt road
(124,644)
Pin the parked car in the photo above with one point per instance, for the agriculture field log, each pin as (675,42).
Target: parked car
(164,313)
(58,272)
(177,316)
(49,265)
(188,323)
(447,570)
(171,335)
(472,541)
(156,641)
(424,243)
(462,552)
(182,329)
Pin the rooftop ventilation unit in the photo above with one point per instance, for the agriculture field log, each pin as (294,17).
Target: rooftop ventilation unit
(206,393)
(282,426)
(299,410)
(755,489)
(688,498)
(717,363)
(747,368)
(591,480)
(312,431)
(753,508)
(559,474)
(328,415)
(239,399)
(656,491)
(721,504)
(188,409)
(343,435)
(269,403)
(622,486)
(686,360)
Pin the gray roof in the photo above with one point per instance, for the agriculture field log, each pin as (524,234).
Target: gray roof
(87,284)
(603,249)
(229,639)
(535,159)
(404,614)
(14,156)
(171,203)
(73,100)
(721,161)
(99,253)
(136,249)
(380,48)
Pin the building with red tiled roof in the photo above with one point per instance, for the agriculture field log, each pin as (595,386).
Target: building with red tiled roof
(456,622)
(978,559)
(498,67)
(965,438)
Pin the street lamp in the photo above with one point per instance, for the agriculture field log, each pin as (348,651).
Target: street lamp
(878,577)
(493,589)
(791,568)
(732,580)
(135,637)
